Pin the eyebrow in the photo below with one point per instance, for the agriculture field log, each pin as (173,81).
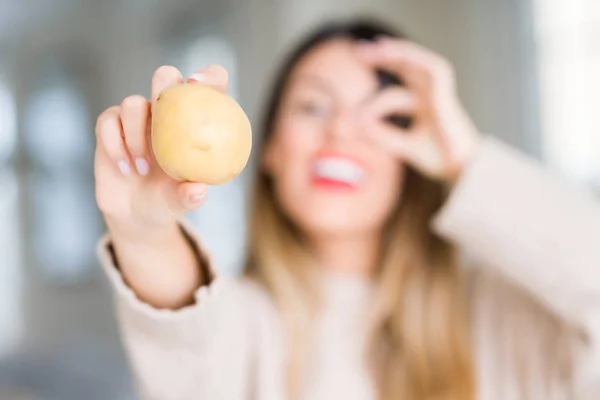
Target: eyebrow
(322,84)
(316,82)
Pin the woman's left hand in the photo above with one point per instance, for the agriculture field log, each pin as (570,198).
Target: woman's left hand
(442,137)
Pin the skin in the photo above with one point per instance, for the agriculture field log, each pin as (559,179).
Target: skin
(320,112)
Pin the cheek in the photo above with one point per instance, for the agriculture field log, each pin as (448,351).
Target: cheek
(295,145)
(385,188)
(318,211)
(295,135)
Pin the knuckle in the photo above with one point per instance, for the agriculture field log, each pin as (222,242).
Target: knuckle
(107,203)
(219,71)
(106,117)
(135,101)
(443,72)
(108,114)
(102,201)
(165,70)
(135,147)
(445,67)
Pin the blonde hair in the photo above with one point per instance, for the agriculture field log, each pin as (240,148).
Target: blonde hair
(419,344)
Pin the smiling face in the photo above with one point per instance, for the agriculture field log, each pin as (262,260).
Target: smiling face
(328,177)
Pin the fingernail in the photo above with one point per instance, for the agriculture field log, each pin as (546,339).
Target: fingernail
(196,197)
(142,166)
(198,77)
(124,167)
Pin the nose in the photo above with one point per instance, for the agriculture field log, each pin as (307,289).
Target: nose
(343,126)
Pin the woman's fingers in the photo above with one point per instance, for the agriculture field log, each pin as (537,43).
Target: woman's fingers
(392,139)
(412,145)
(417,149)
(192,195)
(135,112)
(214,75)
(186,196)
(392,101)
(109,133)
(164,77)
(421,68)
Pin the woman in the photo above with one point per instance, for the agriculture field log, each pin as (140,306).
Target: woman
(372,177)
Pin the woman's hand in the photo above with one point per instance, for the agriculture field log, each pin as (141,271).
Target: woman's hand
(132,192)
(442,137)
(142,205)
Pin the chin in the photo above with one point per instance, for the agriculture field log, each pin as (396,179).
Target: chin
(337,222)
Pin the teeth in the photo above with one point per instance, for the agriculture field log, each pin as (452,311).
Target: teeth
(339,169)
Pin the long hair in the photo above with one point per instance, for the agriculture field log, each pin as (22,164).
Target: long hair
(418,344)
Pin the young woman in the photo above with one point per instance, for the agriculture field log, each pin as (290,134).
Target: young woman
(395,253)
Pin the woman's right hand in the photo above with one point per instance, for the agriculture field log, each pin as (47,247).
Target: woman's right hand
(132,191)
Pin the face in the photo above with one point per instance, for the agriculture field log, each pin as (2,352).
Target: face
(329,178)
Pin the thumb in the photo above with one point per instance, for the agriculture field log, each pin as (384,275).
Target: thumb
(395,140)
(415,148)
(187,196)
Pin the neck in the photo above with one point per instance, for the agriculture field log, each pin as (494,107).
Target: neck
(348,254)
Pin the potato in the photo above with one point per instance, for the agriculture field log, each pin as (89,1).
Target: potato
(200,134)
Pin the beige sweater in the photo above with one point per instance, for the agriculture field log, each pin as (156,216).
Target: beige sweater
(536,299)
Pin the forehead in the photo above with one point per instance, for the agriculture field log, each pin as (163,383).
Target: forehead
(335,65)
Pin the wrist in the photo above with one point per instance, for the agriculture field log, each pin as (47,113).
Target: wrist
(141,233)
(463,161)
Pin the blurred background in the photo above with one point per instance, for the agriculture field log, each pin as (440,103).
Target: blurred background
(528,72)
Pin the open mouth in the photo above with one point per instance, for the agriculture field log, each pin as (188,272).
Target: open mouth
(337,173)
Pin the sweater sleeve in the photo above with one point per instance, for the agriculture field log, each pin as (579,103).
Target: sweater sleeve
(510,214)
(200,351)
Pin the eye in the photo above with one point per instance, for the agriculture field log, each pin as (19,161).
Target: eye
(313,108)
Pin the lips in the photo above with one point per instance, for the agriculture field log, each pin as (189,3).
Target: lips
(336,171)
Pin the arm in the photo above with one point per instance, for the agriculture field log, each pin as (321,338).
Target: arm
(184,329)
(143,257)
(198,351)
(504,209)
(510,214)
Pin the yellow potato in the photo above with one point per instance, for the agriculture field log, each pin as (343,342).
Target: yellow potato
(200,134)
